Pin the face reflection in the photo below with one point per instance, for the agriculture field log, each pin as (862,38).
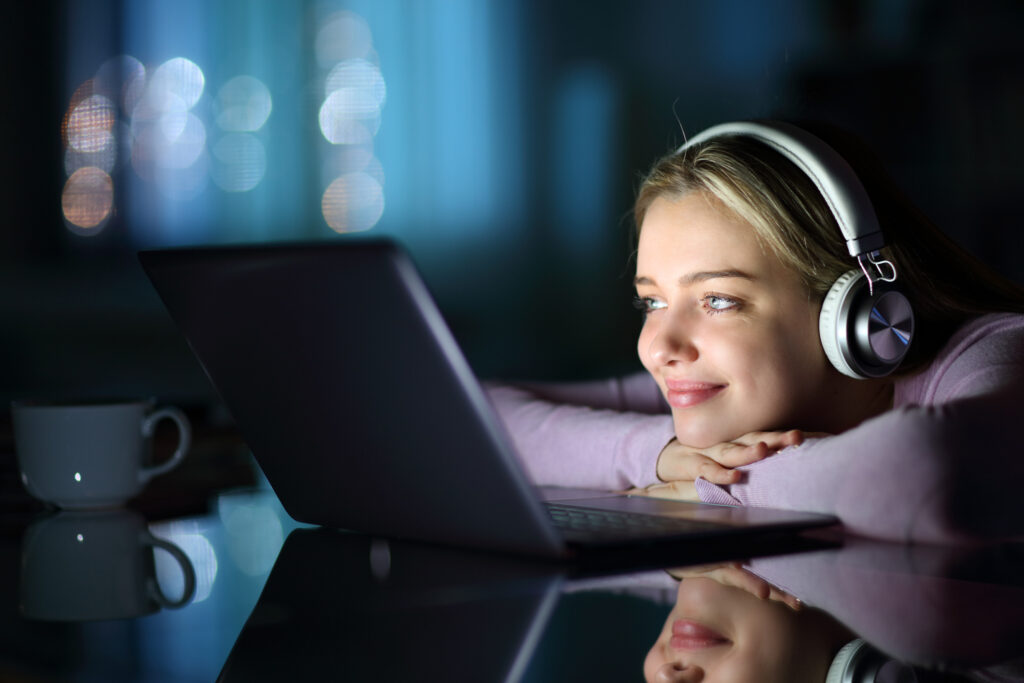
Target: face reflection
(730,335)
(718,632)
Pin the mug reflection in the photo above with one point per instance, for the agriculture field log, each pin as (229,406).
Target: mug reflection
(96,565)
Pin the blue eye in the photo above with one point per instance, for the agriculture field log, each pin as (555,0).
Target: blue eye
(647,303)
(717,304)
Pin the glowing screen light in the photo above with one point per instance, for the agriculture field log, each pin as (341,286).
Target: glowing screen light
(87,199)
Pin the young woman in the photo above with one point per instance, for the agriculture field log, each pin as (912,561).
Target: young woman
(742,236)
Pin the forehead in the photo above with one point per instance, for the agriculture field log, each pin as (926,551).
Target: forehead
(695,232)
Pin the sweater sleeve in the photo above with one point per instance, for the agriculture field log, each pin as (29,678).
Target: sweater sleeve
(599,435)
(943,466)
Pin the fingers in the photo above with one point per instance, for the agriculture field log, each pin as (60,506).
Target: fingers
(714,463)
(682,462)
(676,490)
(688,465)
(775,441)
(736,455)
(790,601)
(717,474)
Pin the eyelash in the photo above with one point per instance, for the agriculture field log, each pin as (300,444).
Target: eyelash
(644,304)
(733,304)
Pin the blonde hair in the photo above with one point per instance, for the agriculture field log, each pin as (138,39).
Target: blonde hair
(790,219)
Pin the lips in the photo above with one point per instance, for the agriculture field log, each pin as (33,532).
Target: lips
(690,635)
(684,393)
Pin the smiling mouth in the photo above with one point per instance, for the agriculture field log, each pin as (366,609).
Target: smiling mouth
(690,635)
(682,394)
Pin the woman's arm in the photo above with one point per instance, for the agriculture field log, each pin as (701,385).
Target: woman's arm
(601,435)
(635,393)
(943,471)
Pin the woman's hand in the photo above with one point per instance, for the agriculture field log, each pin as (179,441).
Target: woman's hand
(679,465)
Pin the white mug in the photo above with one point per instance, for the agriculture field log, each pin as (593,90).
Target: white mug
(90,455)
(94,565)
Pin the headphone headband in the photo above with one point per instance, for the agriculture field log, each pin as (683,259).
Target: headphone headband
(831,174)
(864,333)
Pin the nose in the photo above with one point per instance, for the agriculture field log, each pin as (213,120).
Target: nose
(669,339)
(674,672)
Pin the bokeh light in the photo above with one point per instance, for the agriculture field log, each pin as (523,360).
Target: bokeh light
(180,77)
(122,79)
(353,202)
(254,535)
(243,104)
(350,118)
(184,144)
(359,75)
(239,162)
(154,147)
(83,92)
(341,159)
(168,139)
(87,199)
(105,159)
(350,114)
(190,539)
(90,123)
(343,36)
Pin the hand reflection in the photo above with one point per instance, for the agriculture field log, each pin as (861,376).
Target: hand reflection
(730,625)
(733,574)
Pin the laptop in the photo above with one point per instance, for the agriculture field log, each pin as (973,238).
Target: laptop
(357,403)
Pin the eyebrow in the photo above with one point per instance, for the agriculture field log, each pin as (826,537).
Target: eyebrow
(699,276)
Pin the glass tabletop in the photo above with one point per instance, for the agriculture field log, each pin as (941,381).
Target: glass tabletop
(235,590)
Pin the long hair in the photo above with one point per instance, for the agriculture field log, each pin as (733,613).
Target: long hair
(944,283)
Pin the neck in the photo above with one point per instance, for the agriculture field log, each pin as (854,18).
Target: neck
(862,399)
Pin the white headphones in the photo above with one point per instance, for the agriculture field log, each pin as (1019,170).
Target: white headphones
(866,324)
(858,662)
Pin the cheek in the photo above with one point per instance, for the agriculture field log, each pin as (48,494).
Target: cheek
(790,379)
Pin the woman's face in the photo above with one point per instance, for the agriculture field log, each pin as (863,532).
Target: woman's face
(731,335)
(719,632)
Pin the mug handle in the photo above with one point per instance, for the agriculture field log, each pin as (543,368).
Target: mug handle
(187,571)
(184,440)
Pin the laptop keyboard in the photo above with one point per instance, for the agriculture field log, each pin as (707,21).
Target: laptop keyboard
(587,524)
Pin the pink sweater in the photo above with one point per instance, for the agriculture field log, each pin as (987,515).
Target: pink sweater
(943,465)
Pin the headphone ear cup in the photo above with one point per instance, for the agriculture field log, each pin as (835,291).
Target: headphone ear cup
(832,327)
(859,662)
(839,671)
(864,334)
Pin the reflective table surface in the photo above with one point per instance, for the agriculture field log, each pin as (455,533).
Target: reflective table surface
(225,586)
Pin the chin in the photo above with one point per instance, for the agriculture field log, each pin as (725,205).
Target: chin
(704,438)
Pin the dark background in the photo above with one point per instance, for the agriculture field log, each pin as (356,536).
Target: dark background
(539,287)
